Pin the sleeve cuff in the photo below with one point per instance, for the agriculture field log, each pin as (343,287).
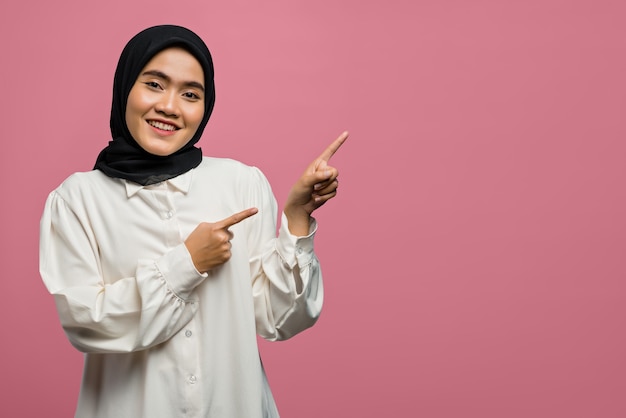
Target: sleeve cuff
(295,250)
(179,272)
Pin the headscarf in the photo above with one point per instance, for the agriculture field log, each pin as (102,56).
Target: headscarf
(123,157)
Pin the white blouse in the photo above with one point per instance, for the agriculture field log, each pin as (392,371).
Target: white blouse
(161,339)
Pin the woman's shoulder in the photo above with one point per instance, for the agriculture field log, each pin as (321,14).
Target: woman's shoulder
(229,170)
(84,183)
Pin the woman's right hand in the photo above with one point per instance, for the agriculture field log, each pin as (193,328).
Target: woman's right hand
(209,244)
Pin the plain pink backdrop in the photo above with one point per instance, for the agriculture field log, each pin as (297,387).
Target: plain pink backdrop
(475,260)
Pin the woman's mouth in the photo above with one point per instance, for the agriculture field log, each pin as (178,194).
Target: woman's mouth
(162,126)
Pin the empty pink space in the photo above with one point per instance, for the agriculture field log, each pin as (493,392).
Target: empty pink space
(474,260)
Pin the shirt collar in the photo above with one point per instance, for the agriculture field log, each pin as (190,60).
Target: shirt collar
(181,183)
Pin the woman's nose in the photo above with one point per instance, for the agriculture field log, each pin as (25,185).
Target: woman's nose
(168,104)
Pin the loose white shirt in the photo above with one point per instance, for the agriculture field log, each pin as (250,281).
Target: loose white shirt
(161,339)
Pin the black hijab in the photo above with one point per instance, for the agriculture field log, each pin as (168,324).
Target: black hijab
(123,157)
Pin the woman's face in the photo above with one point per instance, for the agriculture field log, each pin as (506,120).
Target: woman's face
(166,104)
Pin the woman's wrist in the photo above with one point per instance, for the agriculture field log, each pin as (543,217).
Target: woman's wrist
(299,221)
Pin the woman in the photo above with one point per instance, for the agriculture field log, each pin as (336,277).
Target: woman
(165,264)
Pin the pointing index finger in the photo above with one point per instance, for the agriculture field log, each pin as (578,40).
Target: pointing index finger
(332,148)
(236,218)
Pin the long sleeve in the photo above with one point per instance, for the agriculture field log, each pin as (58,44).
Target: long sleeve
(286,276)
(111,314)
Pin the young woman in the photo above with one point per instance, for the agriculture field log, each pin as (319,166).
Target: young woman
(165,264)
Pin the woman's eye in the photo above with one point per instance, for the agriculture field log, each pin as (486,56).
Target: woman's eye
(191,95)
(153,84)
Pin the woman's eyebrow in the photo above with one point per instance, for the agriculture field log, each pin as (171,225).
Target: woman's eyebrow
(167,78)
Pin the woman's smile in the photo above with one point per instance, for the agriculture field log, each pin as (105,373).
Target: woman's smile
(163,127)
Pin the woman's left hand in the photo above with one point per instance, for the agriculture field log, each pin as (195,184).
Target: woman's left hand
(317,185)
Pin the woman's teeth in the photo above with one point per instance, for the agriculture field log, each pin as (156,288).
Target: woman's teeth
(162,126)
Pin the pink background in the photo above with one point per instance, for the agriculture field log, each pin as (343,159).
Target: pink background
(475,260)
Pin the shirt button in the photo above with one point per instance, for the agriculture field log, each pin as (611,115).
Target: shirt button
(169,215)
(298,250)
(192,379)
(188,333)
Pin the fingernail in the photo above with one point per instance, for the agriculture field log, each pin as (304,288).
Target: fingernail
(317,186)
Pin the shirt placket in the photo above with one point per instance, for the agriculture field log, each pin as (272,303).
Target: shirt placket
(186,342)
(164,205)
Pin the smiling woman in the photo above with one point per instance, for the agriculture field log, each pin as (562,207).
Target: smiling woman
(164,264)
